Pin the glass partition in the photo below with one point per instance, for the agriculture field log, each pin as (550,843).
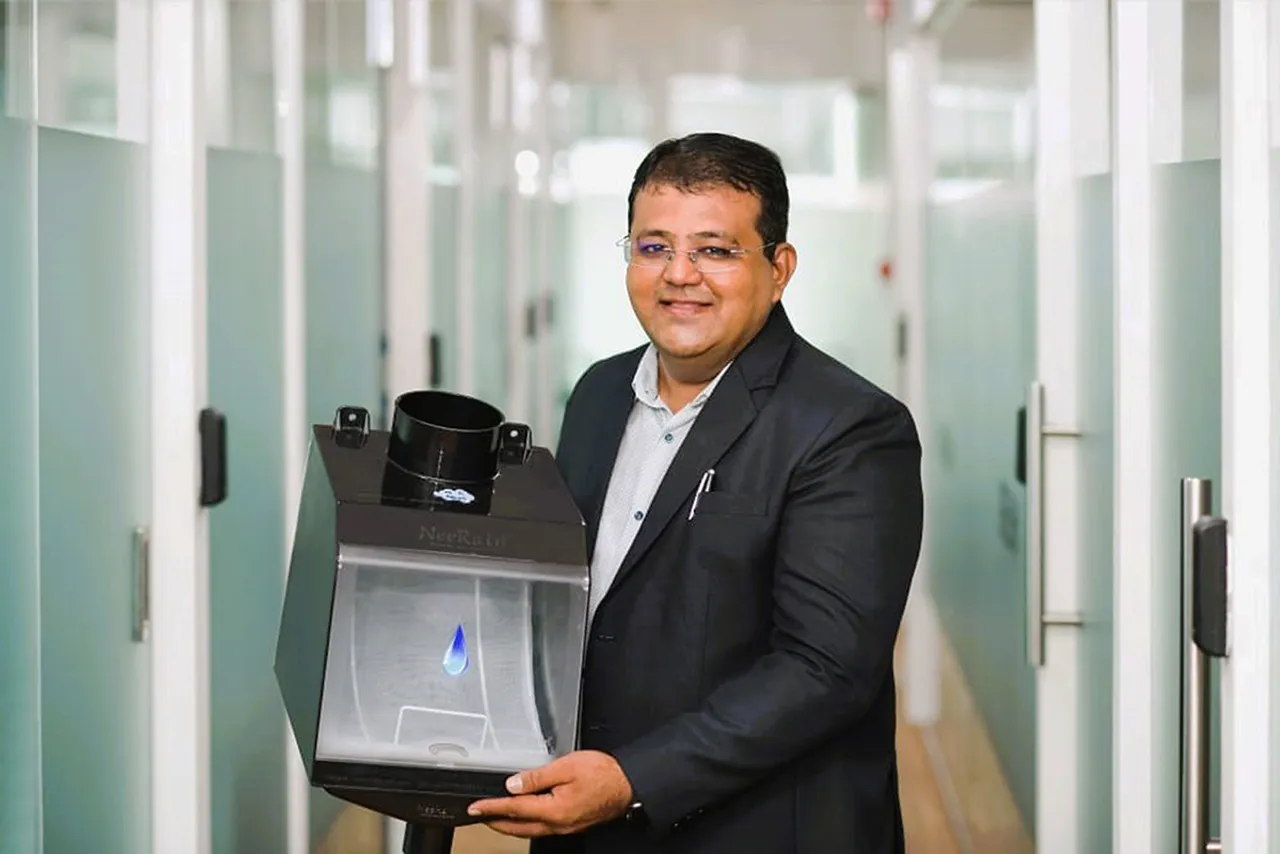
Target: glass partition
(94,467)
(19,501)
(1186,209)
(980,328)
(1187,385)
(247,531)
(344,258)
(1097,504)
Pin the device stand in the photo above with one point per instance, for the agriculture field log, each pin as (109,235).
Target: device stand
(427,839)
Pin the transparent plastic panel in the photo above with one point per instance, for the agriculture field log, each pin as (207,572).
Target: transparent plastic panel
(19,495)
(1097,505)
(980,310)
(94,452)
(437,662)
(1186,203)
(246,533)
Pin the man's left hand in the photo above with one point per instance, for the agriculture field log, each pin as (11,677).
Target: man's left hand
(568,795)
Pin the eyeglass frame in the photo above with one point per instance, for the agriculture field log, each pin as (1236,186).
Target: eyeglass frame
(736,253)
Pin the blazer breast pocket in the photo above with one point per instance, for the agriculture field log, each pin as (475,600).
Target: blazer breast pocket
(732,504)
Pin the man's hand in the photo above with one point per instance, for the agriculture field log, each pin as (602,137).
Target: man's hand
(568,795)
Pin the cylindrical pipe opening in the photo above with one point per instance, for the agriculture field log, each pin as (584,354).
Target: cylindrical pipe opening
(445,437)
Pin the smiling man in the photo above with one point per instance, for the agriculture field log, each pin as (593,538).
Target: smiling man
(754,510)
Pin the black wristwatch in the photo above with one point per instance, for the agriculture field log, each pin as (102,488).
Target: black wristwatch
(636,815)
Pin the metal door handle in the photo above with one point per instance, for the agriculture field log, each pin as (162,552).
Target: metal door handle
(1037,431)
(1204,631)
(141,584)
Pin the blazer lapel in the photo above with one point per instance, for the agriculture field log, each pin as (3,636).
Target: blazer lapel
(614,409)
(725,416)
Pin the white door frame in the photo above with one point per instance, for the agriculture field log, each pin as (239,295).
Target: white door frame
(1072,86)
(912,70)
(288,60)
(1147,127)
(465,140)
(1251,426)
(179,580)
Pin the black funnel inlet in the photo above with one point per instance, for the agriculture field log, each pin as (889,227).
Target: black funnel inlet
(452,438)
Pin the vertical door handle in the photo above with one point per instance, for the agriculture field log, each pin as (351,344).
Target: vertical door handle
(1204,623)
(1036,430)
(213,458)
(141,584)
(435,367)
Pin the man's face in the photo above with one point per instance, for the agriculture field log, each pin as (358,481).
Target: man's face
(702,315)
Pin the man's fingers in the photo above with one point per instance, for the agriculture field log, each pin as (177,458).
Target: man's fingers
(534,808)
(504,807)
(554,773)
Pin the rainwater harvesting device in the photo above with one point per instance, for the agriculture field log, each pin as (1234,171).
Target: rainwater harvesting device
(434,622)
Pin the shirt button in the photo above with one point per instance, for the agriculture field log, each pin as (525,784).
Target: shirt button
(668,438)
(639,514)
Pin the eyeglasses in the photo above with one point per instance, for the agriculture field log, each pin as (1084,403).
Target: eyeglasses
(650,252)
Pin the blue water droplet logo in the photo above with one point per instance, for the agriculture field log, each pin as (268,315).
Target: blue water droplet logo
(455,657)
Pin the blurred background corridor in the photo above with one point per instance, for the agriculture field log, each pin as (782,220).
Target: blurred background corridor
(1048,226)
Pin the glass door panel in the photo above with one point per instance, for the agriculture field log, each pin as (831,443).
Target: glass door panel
(94,465)
(980,303)
(246,532)
(19,511)
(244,210)
(1186,206)
(837,299)
(344,267)
(1096,473)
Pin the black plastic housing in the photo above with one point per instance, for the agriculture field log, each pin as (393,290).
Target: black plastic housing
(383,489)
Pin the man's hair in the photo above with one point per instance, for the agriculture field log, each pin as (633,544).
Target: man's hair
(703,161)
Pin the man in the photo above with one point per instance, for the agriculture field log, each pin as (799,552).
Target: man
(754,510)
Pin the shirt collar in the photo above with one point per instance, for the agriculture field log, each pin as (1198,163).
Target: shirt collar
(645,382)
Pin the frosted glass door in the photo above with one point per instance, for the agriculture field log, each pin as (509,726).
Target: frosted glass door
(344,270)
(980,332)
(246,532)
(19,532)
(94,468)
(1096,473)
(1186,206)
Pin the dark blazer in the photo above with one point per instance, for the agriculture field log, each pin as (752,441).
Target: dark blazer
(740,667)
